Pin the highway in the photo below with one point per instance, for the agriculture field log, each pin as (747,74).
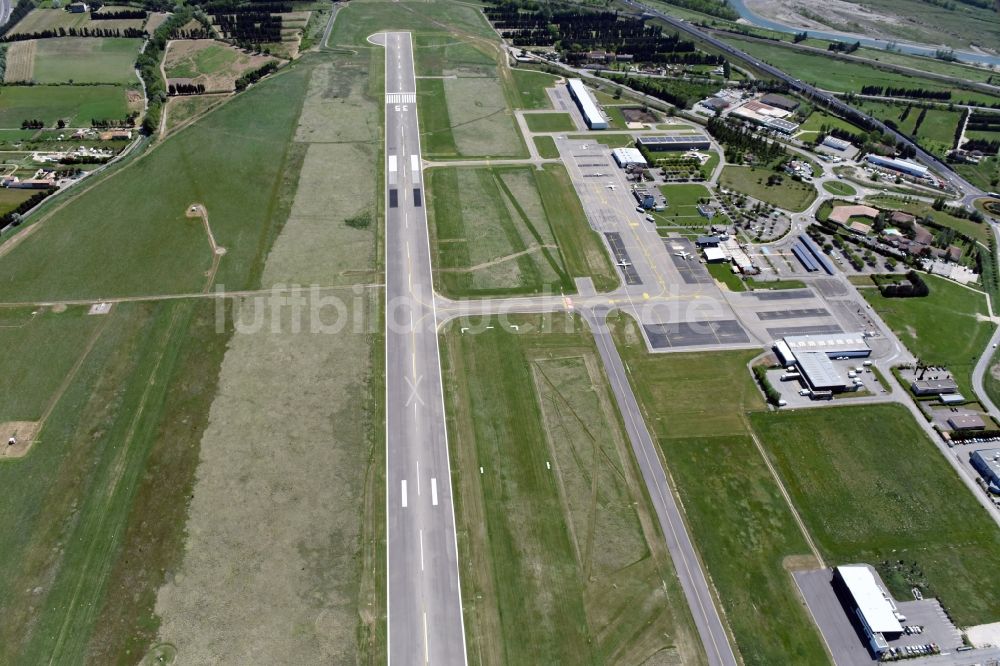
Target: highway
(965,189)
(424,600)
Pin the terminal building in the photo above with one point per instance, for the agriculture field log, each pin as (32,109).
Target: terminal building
(660,144)
(591,114)
(869,607)
(987,463)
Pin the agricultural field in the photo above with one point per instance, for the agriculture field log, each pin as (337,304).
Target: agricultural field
(183,109)
(817,120)
(78,60)
(564,564)
(695,405)
(77,105)
(549,122)
(789,194)
(39,20)
(511,230)
(11,199)
(846,76)
(122,493)
(918,324)
(872,488)
(933,128)
(214,64)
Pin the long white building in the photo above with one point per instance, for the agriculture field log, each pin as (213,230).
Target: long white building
(588,107)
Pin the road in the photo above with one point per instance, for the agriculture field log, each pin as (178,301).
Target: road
(966,190)
(425,623)
(6,7)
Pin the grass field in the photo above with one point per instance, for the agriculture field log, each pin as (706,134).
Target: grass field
(563,564)
(546,147)
(167,252)
(752,181)
(75,60)
(214,64)
(550,122)
(77,105)
(936,132)
(468,112)
(609,140)
(530,86)
(817,120)
(682,208)
(511,230)
(746,535)
(839,188)
(984,175)
(11,199)
(872,488)
(940,329)
(182,109)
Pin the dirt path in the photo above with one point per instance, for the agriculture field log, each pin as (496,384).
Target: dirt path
(199,210)
(499,260)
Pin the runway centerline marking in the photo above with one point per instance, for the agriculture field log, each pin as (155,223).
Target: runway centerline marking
(404,492)
(421,550)
(434,491)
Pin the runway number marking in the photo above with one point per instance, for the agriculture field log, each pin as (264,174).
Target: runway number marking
(434,491)
(404,493)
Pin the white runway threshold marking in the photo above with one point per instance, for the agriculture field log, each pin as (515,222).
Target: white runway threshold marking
(401,98)
(434,491)
(404,493)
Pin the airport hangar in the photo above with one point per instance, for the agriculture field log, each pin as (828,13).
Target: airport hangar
(869,607)
(814,354)
(591,114)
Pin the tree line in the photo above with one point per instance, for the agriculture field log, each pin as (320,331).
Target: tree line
(20,10)
(841,47)
(250,28)
(185,89)
(253,76)
(678,92)
(913,93)
(13,218)
(914,287)
(148,64)
(76,32)
(141,14)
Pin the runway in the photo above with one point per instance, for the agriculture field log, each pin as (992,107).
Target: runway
(424,602)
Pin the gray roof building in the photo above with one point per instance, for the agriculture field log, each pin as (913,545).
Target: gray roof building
(987,463)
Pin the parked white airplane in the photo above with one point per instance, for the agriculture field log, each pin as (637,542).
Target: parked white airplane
(683,255)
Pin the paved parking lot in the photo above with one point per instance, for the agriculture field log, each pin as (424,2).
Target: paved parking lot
(696,334)
(768,315)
